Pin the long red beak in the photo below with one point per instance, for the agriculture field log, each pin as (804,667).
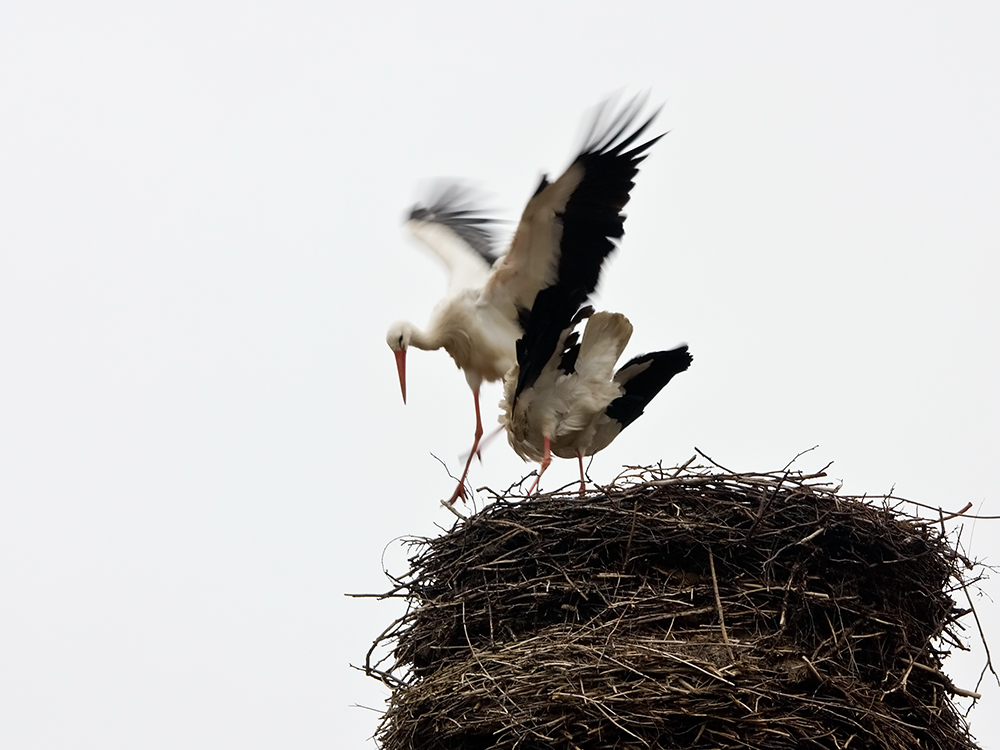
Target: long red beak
(401,369)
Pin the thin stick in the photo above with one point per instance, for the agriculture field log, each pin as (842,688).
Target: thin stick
(799,455)
(982,637)
(712,460)
(718,605)
(451,507)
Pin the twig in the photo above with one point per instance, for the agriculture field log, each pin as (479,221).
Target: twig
(684,465)
(799,455)
(949,685)
(712,460)
(982,637)
(718,604)
(451,507)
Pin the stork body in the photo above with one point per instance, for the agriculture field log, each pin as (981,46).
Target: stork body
(566,231)
(577,405)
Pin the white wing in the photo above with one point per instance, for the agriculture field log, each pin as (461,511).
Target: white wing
(459,234)
(571,225)
(532,262)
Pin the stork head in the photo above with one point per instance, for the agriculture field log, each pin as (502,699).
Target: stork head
(398,339)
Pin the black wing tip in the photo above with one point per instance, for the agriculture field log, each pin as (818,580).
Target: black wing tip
(458,207)
(672,361)
(449,198)
(593,218)
(612,129)
(642,386)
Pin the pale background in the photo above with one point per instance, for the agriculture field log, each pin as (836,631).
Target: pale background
(202,443)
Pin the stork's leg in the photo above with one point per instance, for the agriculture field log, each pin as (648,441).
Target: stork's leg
(460,490)
(488,437)
(546,460)
(583,482)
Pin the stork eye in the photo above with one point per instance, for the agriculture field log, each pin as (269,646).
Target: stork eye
(400,340)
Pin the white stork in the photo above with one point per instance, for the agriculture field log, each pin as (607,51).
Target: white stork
(566,231)
(574,407)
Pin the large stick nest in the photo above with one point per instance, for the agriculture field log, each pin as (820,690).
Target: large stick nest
(678,609)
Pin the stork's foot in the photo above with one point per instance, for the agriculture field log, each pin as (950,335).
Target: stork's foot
(546,460)
(458,493)
(534,485)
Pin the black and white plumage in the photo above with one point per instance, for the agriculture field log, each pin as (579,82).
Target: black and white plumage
(575,407)
(566,231)
(454,209)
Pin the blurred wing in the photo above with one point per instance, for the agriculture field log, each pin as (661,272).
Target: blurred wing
(458,233)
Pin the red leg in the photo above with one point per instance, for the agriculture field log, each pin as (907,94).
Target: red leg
(583,483)
(460,490)
(546,460)
(488,438)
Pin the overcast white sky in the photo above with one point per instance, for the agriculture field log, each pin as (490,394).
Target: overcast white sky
(202,443)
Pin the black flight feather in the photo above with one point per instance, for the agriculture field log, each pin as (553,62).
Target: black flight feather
(452,207)
(593,223)
(571,350)
(642,378)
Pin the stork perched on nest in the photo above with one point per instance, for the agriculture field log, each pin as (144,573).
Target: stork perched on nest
(573,406)
(566,231)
